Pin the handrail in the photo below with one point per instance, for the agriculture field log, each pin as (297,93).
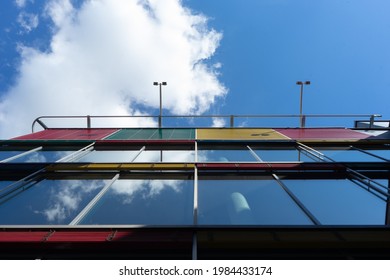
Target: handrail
(231,118)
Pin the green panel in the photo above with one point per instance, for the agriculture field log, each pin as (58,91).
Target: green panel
(188,134)
(153,134)
(124,134)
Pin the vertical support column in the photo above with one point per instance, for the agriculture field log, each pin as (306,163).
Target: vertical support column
(195,211)
(387,217)
(195,216)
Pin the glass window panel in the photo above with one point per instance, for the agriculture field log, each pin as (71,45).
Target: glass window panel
(349,155)
(167,156)
(339,202)
(383,182)
(145,202)
(4,184)
(49,202)
(226,156)
(109,156)
(144,156)
(282,155)
(39,156)
(382,153)
(247,202)
(8,154)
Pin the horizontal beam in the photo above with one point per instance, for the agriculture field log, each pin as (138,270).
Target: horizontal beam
(119,166)
(212,242)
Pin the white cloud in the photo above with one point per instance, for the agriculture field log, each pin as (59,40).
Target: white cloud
(104,58)
(20,3)
(128,189)
(219,122)
(28,21)
(65,200)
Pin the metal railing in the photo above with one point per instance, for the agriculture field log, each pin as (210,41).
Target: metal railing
(226,120)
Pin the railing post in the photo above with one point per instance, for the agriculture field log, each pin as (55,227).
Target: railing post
(231,121)
(303,121)
(88,121)
(372,119)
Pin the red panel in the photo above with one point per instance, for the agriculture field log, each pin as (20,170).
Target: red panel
(68,134)
(321,133)
(95,236)
(17,236)
(148,236)
(80,236)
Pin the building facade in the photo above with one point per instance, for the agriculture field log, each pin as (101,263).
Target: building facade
(196,193)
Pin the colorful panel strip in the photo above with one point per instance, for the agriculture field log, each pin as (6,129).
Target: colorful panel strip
(68,134)
(322,134)
(153,134)
(239,134)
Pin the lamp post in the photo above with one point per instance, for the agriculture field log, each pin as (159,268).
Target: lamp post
(301,84)
(160,116)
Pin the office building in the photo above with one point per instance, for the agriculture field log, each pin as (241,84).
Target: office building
(253,192)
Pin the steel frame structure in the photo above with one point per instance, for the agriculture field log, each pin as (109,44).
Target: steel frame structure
(75,241)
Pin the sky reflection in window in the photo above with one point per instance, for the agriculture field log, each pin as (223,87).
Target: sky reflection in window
(247,202)
(339,202)
(49,202)
(145,202)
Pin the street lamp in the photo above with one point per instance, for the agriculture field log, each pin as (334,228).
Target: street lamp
(160,85)
(300,83)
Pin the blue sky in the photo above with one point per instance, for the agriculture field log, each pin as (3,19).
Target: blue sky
(341,46)
(242,57)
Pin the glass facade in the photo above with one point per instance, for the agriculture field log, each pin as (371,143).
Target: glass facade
(188,179)
(227,191)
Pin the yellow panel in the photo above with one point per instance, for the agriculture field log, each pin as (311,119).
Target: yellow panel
(239,134)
